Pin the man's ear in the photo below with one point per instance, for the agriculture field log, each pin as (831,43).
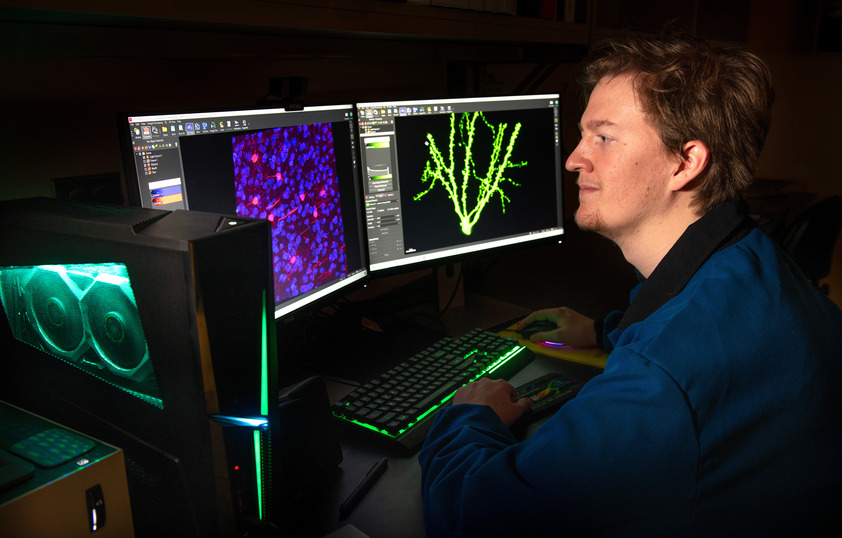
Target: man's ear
(694,159)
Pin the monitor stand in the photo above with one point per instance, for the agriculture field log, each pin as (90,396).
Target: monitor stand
(345,347)
(460,311)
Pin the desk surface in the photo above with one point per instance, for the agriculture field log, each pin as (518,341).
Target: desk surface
(393,506)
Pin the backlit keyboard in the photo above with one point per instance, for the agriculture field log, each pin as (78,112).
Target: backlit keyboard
(399,404)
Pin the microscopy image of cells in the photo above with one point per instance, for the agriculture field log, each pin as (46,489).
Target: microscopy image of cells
(288,176)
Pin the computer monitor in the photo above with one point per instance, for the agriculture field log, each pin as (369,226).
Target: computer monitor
(446,178)
(297,169)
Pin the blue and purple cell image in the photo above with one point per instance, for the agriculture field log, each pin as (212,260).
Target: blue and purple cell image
(288,176)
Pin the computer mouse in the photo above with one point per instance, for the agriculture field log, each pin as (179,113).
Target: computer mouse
(537,327)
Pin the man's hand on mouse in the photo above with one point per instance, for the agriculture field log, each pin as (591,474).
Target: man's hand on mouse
(497,394)
(573,328)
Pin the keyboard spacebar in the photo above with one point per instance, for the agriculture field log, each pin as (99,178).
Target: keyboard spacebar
(439,394)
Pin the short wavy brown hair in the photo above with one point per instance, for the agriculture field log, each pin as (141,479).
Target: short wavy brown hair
(694,90)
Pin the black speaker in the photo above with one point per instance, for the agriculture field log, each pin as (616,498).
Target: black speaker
(309,452)
(152,331)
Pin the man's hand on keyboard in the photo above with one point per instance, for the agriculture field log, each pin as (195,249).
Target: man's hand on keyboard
(497,394)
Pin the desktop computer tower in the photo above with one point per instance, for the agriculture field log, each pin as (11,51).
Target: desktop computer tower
(56,482)
(153,331)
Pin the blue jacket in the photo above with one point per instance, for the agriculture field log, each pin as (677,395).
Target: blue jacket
(717,414)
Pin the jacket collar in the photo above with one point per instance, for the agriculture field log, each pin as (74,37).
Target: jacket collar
(723,225)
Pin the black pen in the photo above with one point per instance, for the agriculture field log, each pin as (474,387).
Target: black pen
(359,492)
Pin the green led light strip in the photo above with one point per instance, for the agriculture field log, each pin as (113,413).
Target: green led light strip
(491,368)
(264,363)
(264,406)
(258,466)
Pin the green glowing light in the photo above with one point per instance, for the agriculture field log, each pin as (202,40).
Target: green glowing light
(258,465)
(489,369)
(494,367)
(442,170)
(264,404)
(264,363)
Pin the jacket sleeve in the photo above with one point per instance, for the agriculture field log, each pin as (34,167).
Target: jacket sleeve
(623,448)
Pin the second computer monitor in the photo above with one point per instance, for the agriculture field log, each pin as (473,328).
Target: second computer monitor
(297,169)
(449,177)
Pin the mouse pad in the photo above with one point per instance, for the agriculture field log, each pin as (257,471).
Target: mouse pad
(52,447)
(591,356)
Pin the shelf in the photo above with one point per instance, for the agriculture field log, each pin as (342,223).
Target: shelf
(336,18)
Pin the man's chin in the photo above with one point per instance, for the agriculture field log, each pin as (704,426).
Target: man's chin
(584,222)
(589,222)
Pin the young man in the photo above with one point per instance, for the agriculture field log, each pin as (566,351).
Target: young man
(717,412)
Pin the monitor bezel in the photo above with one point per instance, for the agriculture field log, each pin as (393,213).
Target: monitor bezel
(303,304)
(469,252)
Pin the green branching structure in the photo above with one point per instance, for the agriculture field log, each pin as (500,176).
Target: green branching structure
(442,170)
